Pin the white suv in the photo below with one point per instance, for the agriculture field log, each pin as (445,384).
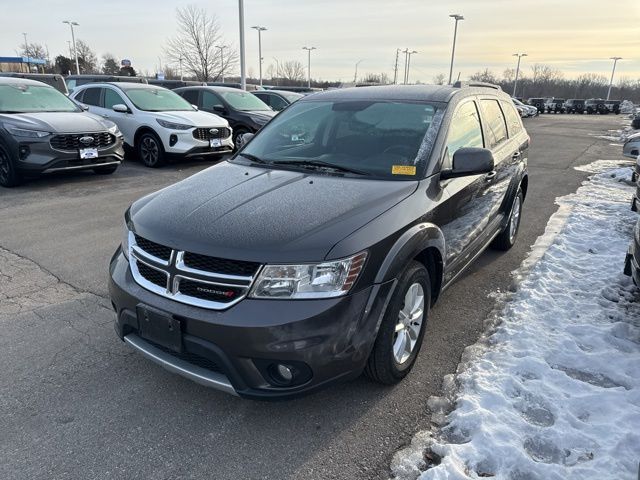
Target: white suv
(156,122)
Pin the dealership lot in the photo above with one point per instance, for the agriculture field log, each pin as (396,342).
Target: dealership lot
(80,404)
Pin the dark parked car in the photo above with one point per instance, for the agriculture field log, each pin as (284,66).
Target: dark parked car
(538,103)
(632,261)
(595,105)
(74,81)
(278,99)
(555,105)
(574,105)
(245,112)
(53,79)
(173,84)
(613,106)
(316,252)
(635,122)
(43,131)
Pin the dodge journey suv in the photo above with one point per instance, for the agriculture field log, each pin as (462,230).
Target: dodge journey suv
(316,252)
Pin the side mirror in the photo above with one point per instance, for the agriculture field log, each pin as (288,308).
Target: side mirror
(120,108)
(243,139)
(219,109)
(84,107)
(195,107)
(468,162)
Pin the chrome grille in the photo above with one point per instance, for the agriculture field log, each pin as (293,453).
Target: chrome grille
(71,142)
(190,278)
(206,134)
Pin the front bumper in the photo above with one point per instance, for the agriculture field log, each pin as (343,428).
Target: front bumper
(186,145)
(233,350)
(631,150)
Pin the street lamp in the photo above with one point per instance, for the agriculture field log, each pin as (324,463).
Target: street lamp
(243,77)
(515,84)
(26,52)
(615,60)
(260,30)
(277,68)
(221,47)
(409,64)
(73,39)
(457,18)
(355,76)
(308,49)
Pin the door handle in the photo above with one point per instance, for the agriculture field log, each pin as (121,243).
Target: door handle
(516,155)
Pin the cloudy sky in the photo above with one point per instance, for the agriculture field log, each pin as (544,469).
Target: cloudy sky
(574,36)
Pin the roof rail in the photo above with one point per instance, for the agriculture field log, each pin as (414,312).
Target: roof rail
(460,84)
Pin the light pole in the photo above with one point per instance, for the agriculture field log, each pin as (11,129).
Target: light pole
(260,30)
(308,49)
(406,57)
(73,39)
(395,69)
(243,77)
(181,76)
(277,68)
(355,75)
(26,52)
(515,84)
(457,18)
(221,47)
(409,64)
(615,60)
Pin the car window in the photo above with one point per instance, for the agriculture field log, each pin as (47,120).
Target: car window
(210,100)
(265,97)
(244,101)
(92,96)
(157,100)
(190,96)
(277,103)
(111,98)
(465,129)
(71,83)
(513,119)
(495,121)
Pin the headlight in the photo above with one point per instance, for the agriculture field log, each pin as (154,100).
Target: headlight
(172,125)
(114,129)
(125,239)
(23,132)
(322,280)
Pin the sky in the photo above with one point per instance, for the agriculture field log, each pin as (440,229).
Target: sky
(574,36)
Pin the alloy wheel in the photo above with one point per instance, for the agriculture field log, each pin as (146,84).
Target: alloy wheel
(514,221)
(5,166)
(409,324)
(149,150)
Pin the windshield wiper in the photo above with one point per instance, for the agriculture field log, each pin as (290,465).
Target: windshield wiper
(253,158)
(320,164)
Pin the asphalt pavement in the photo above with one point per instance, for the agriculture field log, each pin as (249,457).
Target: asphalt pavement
(75,402)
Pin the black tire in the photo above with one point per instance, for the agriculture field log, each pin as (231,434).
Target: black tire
(9,175)
(507,238)
(382,366)
(237,132)
(106,170)
(150,150)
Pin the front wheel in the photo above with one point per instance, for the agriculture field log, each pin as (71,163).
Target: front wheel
(402,329)
(507,238)
(9,175)
(237,137)
(150,150)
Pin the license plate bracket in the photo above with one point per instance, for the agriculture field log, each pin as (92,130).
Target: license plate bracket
(88,153)
(159,327)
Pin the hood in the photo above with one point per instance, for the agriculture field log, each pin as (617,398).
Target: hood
(260,116)
(195,118)
(263,215)
(58,122)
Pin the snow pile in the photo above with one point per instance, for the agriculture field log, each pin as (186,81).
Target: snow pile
(627,106)
(552,391)
(619,135)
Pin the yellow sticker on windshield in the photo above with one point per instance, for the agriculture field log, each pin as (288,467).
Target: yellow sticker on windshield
(403,170)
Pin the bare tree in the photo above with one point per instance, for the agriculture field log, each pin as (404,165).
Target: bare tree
(86,57)
(292,70)
(484,76)
(378,78)
(439,79)
(33,50)
(195,45)
(545,73)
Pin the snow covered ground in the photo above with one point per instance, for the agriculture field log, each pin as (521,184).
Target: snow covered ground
(552,391)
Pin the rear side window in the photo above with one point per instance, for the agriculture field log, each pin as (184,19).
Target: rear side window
(91,96)
(513,119)
(276,102)
(465,130)
(265,98)
(190,96)
(495,121)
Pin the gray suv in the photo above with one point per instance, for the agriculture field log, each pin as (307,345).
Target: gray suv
(43,131)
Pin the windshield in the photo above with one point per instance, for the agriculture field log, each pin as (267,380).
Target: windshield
(244,101)
(23,98)
(377,138)
(157,100)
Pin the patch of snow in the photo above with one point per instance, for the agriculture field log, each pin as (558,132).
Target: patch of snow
(552,390)
(627,106)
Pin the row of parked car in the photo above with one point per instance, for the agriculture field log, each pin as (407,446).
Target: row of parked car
(575,105)
(631,149)
(43,130)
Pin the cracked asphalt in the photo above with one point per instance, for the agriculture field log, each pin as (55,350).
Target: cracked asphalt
(75,402)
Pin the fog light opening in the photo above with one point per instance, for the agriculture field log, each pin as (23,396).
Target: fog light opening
(173,139)
(24,151)
(285,373)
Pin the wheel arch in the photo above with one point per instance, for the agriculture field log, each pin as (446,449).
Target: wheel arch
(145,129)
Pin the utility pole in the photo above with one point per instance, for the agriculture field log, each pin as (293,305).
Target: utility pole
(395,69)
(613,72)
(406,57)
(222,67)
(181,76)
(73,39)
(457,18)
(409,64)
(308,49)
(260,30)
(355,76)
(26,51)
(243,76)
(515,84)
(277,70)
